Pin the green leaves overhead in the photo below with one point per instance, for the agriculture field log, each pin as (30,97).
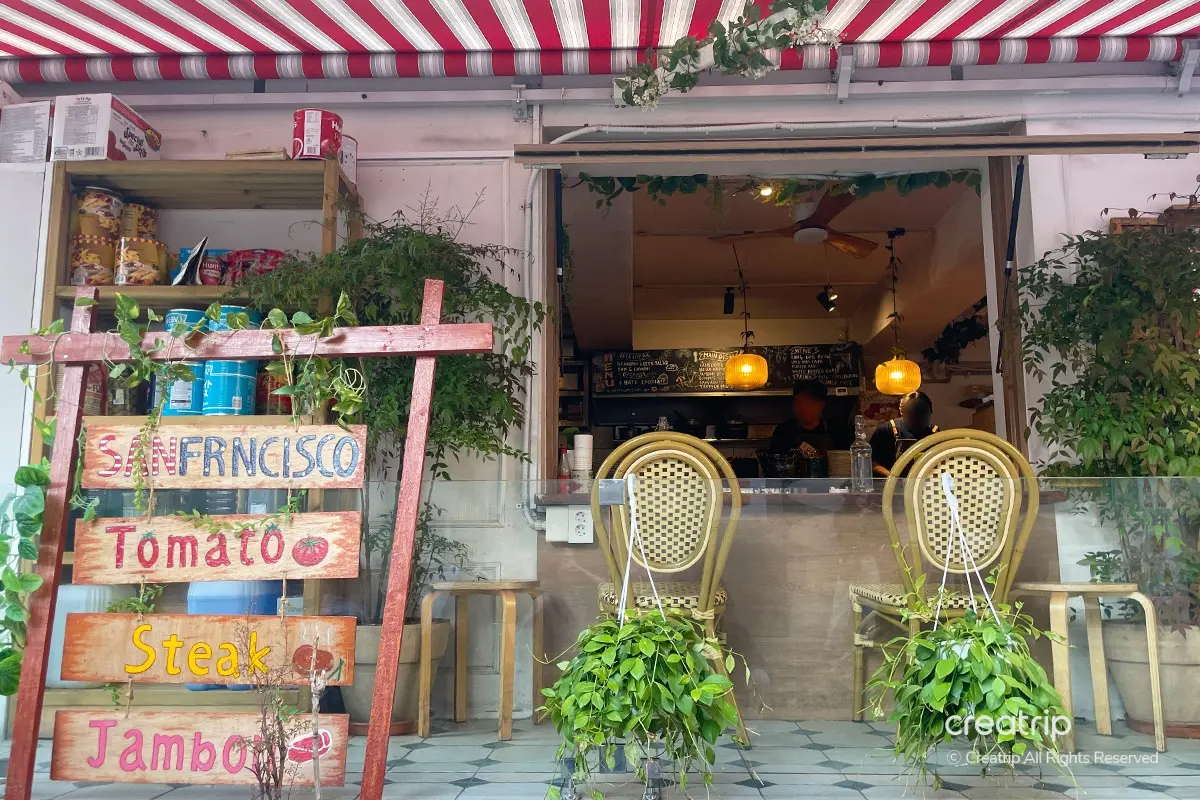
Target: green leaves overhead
(784,192)
(743,47)
(646,680)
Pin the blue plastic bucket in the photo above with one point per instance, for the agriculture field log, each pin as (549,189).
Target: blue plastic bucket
(184,398)
(221,325)
(233,598)
(229,385)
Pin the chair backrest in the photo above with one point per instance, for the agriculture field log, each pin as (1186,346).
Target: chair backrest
(997,498)
(679,503)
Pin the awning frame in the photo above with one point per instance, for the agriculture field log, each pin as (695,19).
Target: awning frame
(981,145)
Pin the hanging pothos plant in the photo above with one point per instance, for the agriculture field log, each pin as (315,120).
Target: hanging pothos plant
(647,684)
(971,680)
(741,48)
(955,337)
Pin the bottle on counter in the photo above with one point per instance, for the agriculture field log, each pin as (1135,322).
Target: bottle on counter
(564,471)
(862,478)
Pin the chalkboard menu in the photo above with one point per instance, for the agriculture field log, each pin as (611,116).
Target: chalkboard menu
(838,366)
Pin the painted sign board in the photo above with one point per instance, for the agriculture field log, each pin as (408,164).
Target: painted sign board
(226,456)
(232,548)
(109,746)
(201,648)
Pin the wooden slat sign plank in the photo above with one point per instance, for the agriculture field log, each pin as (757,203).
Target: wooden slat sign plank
(202,648)
(226,456)
(187,747)
(235,548)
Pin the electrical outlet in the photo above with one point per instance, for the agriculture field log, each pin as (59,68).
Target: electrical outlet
(579,530)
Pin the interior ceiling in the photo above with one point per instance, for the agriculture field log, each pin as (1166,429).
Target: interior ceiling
(679,272)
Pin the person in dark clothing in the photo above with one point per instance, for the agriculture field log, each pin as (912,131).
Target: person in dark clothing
(893,437)
(807,424)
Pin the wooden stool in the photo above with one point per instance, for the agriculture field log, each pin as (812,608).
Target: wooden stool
(1061,654)
(507,591)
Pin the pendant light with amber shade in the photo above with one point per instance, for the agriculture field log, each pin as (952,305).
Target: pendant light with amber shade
(897,376)
(745,370)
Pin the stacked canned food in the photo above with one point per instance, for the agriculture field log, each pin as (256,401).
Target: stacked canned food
(220,387)
(114,241)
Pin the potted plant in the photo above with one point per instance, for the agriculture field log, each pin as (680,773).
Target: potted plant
(971,680)
(477,399)
(648,684)
(1112,324)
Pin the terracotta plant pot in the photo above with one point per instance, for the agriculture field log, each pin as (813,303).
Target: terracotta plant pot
(1179,653)
(358,698)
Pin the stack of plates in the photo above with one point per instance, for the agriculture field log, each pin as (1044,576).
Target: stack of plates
(839,463)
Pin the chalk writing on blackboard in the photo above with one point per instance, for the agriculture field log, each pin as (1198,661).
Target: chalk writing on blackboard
(687,371)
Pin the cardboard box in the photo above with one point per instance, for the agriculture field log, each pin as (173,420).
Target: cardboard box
(24,132)
(96,127)
(8,95)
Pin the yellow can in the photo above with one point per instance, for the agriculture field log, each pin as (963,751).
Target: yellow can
(139,221)
(140,262)
(92,261)
(99,212)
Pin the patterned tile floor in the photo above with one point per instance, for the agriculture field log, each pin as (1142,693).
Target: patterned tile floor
(809,759)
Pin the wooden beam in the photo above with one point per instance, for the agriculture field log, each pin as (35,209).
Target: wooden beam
(36,659)
(387,341)
(1000,179)
(403,538)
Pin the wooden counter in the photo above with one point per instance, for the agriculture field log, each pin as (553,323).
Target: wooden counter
(788,576)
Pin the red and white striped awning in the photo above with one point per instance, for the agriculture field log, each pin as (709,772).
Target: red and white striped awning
(101,40)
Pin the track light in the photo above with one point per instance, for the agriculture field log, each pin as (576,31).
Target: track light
(828,298)
(729,300)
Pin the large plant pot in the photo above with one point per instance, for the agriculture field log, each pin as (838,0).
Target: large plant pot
(358,698)
(1179,655)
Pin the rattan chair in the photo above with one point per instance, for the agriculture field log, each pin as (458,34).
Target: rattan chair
(997,496)
(679,502)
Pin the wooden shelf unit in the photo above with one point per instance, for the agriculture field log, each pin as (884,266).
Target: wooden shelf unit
(187,185)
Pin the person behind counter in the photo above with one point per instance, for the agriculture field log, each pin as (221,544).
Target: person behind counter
(893,437)
(807,425)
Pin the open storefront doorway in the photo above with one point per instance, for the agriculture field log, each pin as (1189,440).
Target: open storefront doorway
(656,268)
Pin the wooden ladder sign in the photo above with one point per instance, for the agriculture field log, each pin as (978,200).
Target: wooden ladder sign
(186,747)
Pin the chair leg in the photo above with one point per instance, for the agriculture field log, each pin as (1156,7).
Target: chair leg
(858,704)
(508,646)
(1095,635)
(719,665)
(461,629)
(425,687)
(538,655)
(1160,735)
(1060,652)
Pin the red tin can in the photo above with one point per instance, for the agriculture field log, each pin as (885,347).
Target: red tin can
(267,403)
(212,270)
(316,133)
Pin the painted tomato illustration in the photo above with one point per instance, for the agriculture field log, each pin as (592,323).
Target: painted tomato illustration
(303,658)
(310,551)
(300,749)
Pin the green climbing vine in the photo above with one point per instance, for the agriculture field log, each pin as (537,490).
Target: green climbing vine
(777,191)
(740,48)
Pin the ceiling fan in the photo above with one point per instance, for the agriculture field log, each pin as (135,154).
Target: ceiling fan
(812,226)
